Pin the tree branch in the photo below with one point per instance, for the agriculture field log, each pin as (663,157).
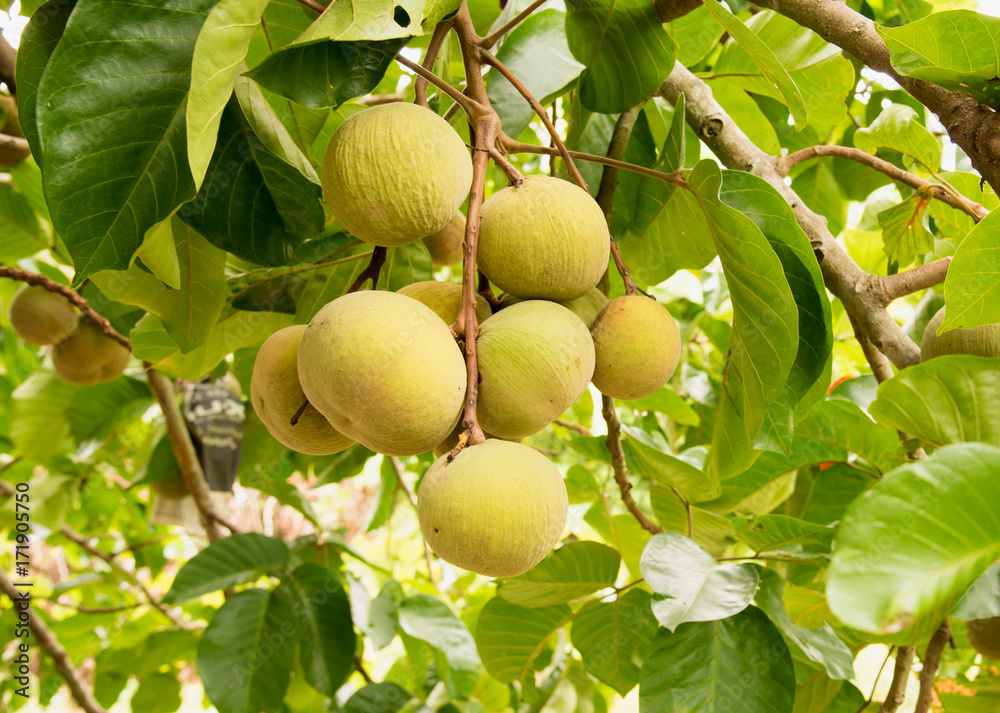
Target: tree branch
(900,676)
(460,99)
(670,10)
(377,99)
(975,210)
(860,292)
(492,38)
(514,146)
(614,445)
(15,143)
(919,278)
(371,272)
(433,48)
(515,177)
(931,661)
(8,60)
(312,5)
(187,459)
(70,294)
(616,150)
(48,643)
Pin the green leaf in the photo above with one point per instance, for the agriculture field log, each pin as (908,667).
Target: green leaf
(905,230)
(510,638)
(622,531)
(326,644)
(226,563)
(949,399)
(955,49)
(378,19)
(899,128)
(833,490)
(379,515)
(252,202)
(157,693)
(324,73)
(818,188)
(537,53)
(644,457)
(695,587)
(821,646)
(609,635)
(218,55)
(383,614)
(158,254)
(38,42)
(189,313)
(909,548)
(683,670)
(770,66)
(806,607)
(21,233)
(972,286)
(573,571)
(982,600)
(246,653)
(669,403)
(377,698)
(39,410)
(94,409)
(731,93)
(626,51)
(695,35)
(112,127)
(842,423)
(431,621)
(781,534)
(710,530)
(951,222)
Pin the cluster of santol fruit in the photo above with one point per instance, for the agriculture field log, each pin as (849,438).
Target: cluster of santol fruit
(384,369)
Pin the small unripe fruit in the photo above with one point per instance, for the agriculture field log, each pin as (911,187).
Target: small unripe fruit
(41,317)
(535,359)
(89,357)
(384,370)
(445,299)
(395,173)
(445,246)
(545,239)
(978,341)
(984,635)
(637,347)
(277,396)
(496,510)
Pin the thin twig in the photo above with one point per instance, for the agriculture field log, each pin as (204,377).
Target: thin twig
(459,98)
(630,286)
(582,430)
(688,510)
(48,643)
(614,446)
(359,665)
(373,270)
(487,292)
(930,663)
(398,468)
(900,676)
(515,177)
(492,38)
(433,48)
(70,294)
(312,5)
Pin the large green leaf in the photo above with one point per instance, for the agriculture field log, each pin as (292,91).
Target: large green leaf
(972,286)
(510,638)
(157,693)
(816,185)
(188,313)
(693,585)
(784,535)
(736,664)
(899,128)
(842,424)
(644,457)
(909,548)
(820,70)
(695,35)
(774,72)
(39,410)
(956,49)
(377,698)
(573,571)
(982,600)
(326,648)
(949,399)
(609,635)
(905,229)
(625,48)
(430,620)
(378,19)
(951,222)
(94,409)
(112,128)
(226,563)
(245,655)
(536,53)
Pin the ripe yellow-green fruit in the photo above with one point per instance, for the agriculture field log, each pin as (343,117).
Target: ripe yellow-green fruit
(978,341)
(535,359)
(41,317)
(277,397)
(586,307)
(384,370)
(171,488)
(395,173)
(984,635)
(545,239)
(445,246)
(637,346)
(89,357)
(445,299)
(496,510)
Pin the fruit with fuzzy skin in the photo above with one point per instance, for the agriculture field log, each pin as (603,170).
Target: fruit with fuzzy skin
(535,359)
(395,173)
(586,307)
(545,239)
(497,509)
(445,246)
(277,396)
(984,635)
(637,347)
(445,298)
(41,317)
(89,357)
(978,341)
(384,370)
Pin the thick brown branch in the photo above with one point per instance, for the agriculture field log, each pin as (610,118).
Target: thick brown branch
(900,676)
(492,38)
(930,663)
(670,10)
(8,60)
(14,143)
(459,98)
(48,643)
(975,210)
(513,146)
(187,459)
(433,48)
(614,446)
(860,292)
(377,99)
(72,295)
(616,150)
(372,271)
(515,177)
(878,362)
(919,278)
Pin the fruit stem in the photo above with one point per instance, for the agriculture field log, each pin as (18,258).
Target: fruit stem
(492,38)
(460,99)
(487,292)
(372,271)
(515,177)
(294,420)
(630,286)
(437,39)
